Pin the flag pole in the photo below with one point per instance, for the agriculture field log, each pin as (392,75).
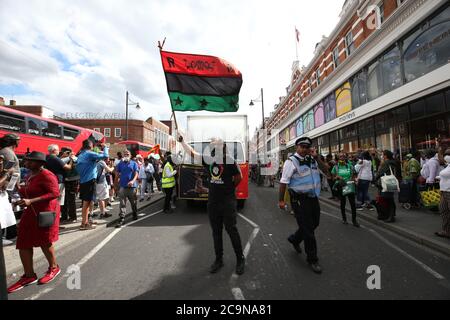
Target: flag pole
(161,46)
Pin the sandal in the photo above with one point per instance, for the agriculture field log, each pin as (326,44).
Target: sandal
(442,235)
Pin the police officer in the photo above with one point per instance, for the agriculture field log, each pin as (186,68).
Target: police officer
(301,175)
(224,176)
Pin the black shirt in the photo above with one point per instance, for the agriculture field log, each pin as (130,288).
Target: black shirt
(56,165)
(221,183)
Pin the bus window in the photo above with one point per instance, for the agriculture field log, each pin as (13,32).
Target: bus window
(12,122)
(33,126)
(52,130)
(70,134)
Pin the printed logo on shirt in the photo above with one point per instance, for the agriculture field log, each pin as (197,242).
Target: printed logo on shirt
(216,172)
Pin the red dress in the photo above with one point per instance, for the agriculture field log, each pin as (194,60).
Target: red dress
(43,185)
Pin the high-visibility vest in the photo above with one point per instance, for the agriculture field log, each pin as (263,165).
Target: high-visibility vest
(168,183)
(306,179)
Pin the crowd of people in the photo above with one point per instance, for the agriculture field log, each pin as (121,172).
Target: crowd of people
(38,194)
(350,177)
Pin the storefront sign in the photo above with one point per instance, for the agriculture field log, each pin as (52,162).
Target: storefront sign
(347,117)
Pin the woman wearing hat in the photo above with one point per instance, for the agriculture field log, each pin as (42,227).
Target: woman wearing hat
(40,194)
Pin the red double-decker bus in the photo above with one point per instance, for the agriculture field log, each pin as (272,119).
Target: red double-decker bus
(37,133)
(136,147)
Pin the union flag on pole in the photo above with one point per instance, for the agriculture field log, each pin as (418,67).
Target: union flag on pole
(199,82)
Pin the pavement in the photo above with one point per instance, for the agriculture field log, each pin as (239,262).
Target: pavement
(418,225)
(70,235)
(167,257)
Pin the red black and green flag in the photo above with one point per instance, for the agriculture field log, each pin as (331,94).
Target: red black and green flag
(198,82)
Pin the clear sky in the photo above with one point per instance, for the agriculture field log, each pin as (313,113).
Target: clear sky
(82,56)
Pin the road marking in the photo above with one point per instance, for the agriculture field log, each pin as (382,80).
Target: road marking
(401,251)
(87,257)
(235,291)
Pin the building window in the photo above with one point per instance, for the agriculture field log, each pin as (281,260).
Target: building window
(374,81)
(381,12)
(107,132)
(427,48)
(118,132)
(390,65)
(318,76)
(336,57)
(97,130)
(359,89)
(350,44)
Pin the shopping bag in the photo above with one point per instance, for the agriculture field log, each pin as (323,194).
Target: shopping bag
(431,198)
(349,188)
(390,183)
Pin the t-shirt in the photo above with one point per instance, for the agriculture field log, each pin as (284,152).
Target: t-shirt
(56,166)
(221,180)
(127,170)
(344,171)
(9,155)
(101,172)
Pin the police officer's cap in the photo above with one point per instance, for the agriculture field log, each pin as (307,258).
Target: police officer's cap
(304,141)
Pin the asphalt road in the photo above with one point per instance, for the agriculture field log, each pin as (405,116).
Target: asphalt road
(166,257)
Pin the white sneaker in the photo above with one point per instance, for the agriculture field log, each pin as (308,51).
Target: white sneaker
(7,242)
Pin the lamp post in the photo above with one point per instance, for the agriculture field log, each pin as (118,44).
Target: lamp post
(129,104)
(252,103)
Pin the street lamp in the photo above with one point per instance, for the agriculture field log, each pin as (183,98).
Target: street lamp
(129,103)
(252,103)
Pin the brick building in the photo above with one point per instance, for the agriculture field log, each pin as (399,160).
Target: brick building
(149,132)
(380,79)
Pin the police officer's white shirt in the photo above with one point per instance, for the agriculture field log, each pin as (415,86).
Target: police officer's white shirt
(289,170)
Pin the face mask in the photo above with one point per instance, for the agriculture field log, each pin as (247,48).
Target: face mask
(447,159)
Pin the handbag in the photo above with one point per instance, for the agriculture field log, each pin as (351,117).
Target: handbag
(389,183)
(46,219)
(348,189)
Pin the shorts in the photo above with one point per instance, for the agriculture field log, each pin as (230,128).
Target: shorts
(88,190)
(102,191)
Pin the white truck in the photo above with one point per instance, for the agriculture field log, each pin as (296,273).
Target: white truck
(233,130)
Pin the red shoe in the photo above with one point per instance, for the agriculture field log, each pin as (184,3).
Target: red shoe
(22,283)
(50,275)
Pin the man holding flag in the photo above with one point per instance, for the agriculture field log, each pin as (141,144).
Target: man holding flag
(196,83)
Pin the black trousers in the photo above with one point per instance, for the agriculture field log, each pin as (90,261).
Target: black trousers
(351,199)
(222,214)
(168,192)
(307,213)
(69,210)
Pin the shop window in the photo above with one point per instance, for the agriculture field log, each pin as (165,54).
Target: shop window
(447,95)
(435,104)
(374,81)
(417,109)
(400,114)
(428,48)
(391,70)
(330,108)
(426,133)
(359,89)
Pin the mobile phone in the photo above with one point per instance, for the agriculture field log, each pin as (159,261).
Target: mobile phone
(9,165)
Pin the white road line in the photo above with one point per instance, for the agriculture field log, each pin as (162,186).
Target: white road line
(404,253)
(235,291)
(92,253)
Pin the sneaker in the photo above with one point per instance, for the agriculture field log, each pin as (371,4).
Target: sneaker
(294,244)
(120,223)
(6,242)
(240,266)
(370,207)
(360,208)
(216,266)
(316,268)
(107,215)
(22,283)
(50,275)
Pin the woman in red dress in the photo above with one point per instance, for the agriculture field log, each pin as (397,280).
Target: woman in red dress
(40,194)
